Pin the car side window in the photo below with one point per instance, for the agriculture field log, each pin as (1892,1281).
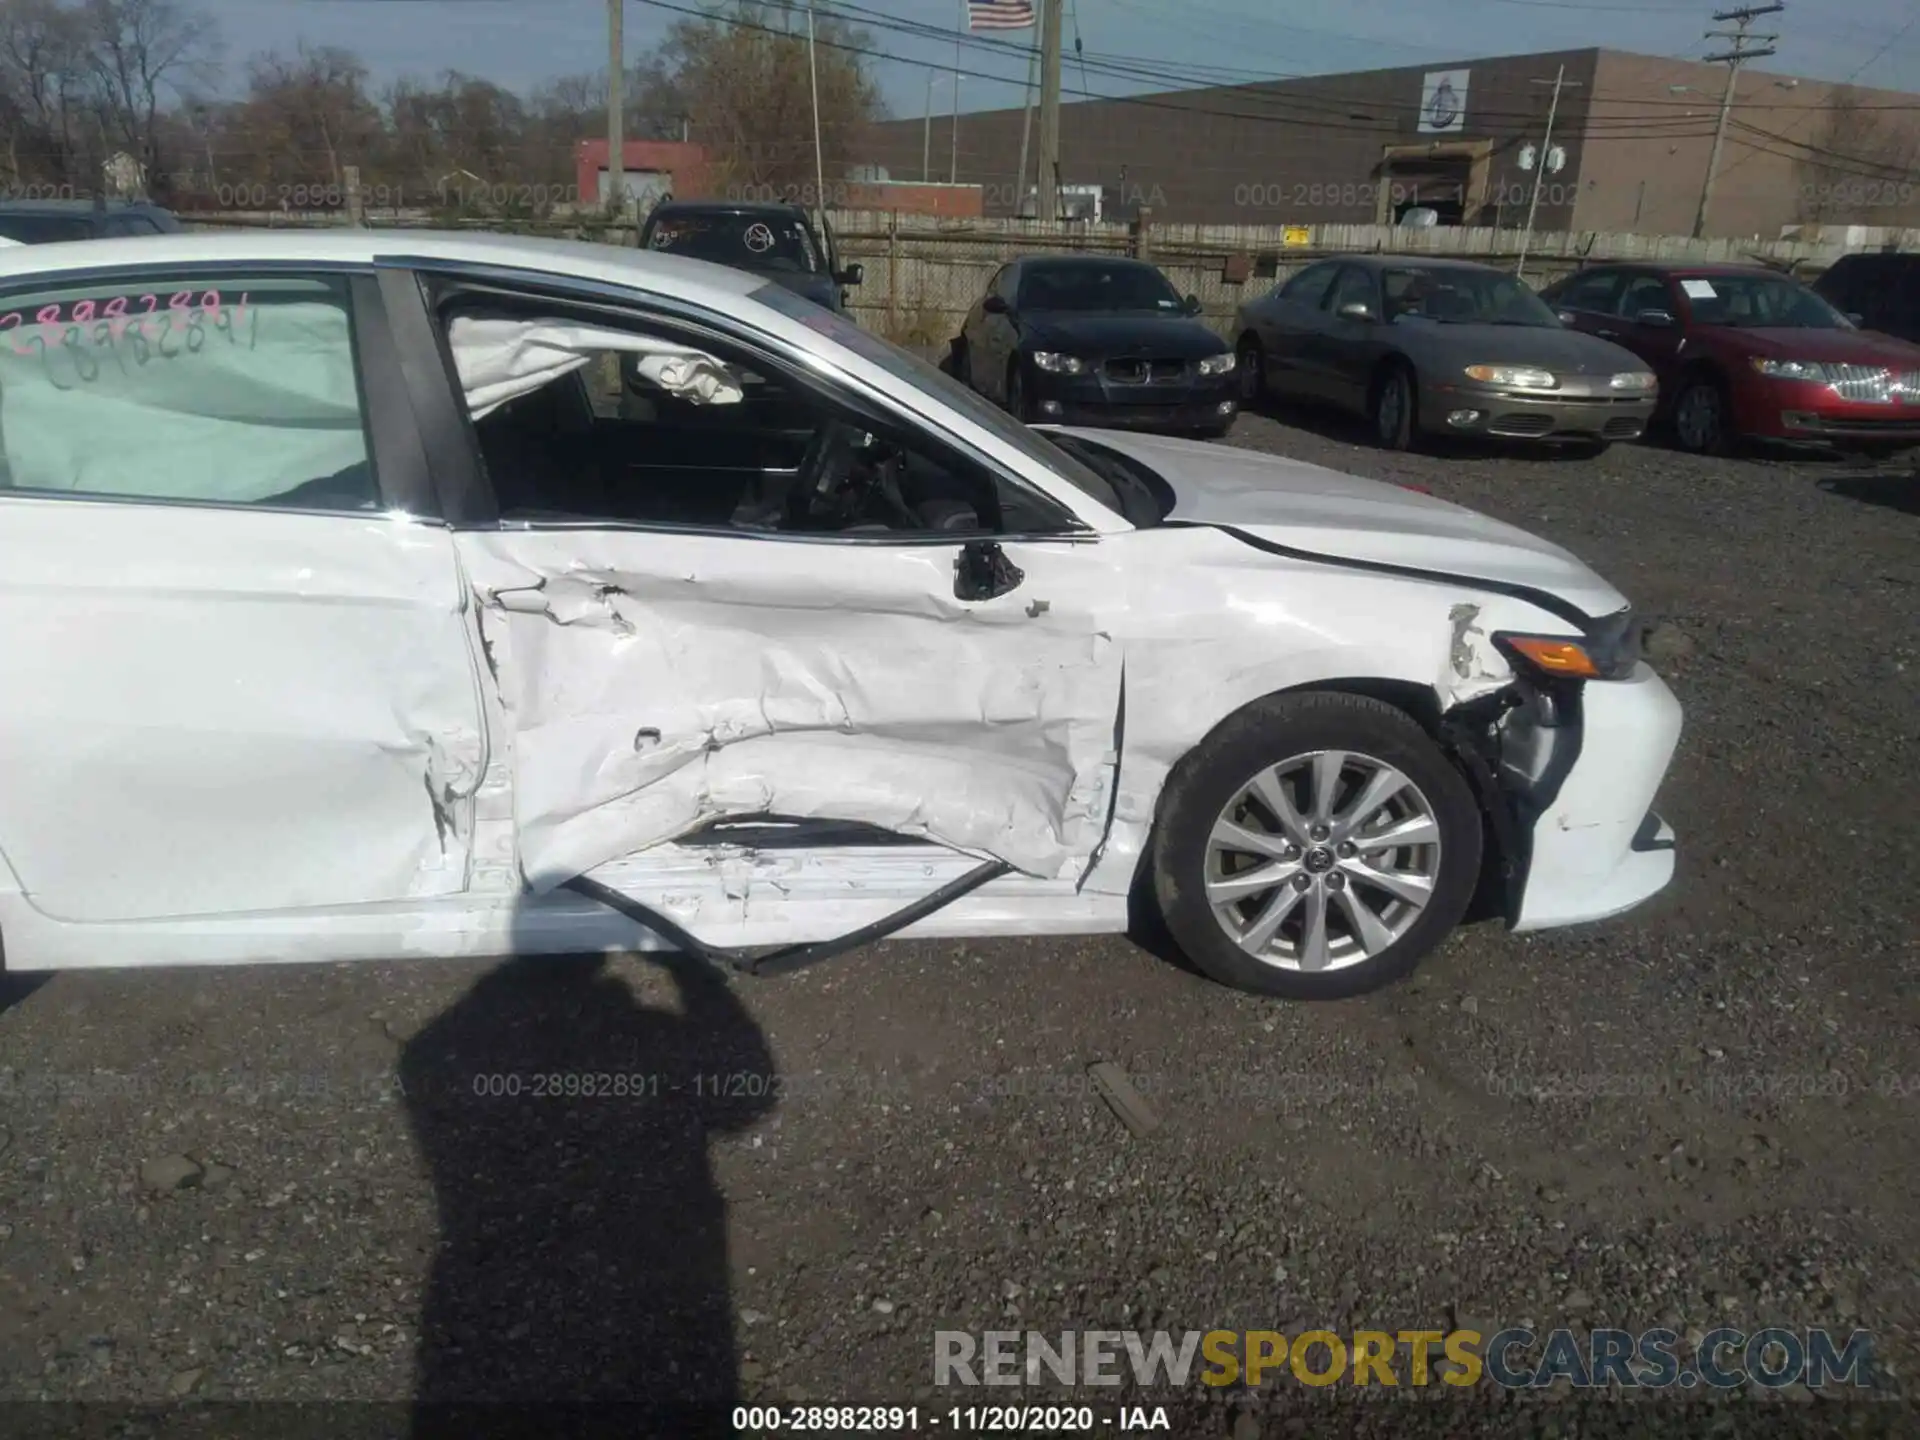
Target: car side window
(1898,306)
(1592,291)
(1644,292)
(1310,286)
(236,391)
(608,417)
(1354,287)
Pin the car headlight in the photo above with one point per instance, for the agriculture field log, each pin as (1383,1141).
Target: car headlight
(1636,380)
(1796,370)
(1513,377)
(1218,364)
(1055,363)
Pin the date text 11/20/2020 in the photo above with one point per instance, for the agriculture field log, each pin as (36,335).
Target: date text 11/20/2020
(958,1419)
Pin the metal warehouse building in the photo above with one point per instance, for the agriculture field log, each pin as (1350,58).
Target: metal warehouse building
(1631,138)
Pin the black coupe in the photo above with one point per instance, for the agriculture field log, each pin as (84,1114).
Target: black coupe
(1102,342)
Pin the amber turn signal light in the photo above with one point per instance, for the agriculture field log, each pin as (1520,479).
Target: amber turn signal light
(1553,656)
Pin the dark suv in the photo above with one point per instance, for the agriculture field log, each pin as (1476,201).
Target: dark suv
(47,222)
(776,241)
(1877,292)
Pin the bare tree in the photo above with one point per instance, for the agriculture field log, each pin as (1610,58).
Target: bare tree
(465,141)
(1858,168)
(139,53)
(43,77)
(744,80)
(306,117)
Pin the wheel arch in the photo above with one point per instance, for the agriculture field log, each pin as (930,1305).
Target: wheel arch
(1390,361)
(1420,701)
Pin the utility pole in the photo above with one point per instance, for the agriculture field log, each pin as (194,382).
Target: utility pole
(819,155)
(1745,47)
(953,132)
(1559,82)
(1026,133)
(1050,111)
(616,110)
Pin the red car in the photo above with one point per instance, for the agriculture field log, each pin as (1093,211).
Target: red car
(1746,352)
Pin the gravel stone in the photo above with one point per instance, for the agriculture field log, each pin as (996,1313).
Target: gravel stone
(170,1172)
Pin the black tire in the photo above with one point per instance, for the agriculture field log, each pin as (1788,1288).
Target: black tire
(1251,363)
(1395,431)
(1266,734)
(1018,405)
(1712,433)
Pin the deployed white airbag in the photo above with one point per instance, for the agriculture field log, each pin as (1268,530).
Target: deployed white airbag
(501,360)
(169,406)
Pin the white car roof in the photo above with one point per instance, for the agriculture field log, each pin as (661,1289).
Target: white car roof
(696,281)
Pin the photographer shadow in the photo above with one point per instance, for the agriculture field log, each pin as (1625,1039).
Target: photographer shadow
(581,1284)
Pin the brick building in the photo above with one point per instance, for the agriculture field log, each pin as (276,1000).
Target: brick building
(1631,136)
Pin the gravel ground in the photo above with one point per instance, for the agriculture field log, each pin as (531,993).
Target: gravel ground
(280,1184)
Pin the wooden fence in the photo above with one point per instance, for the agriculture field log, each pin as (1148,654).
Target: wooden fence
(922,275)
(921,278)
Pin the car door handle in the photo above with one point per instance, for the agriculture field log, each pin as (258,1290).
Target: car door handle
(982,571)
(1608,334)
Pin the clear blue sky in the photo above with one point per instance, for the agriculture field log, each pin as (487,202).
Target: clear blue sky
(519,43)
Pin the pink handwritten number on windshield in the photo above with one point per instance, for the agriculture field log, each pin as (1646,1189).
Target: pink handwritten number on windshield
(114,310)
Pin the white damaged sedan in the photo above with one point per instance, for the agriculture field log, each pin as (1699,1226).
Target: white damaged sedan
(374,595)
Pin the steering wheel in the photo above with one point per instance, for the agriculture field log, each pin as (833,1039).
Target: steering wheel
(828,459)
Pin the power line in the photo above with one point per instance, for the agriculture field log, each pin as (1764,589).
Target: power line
(1891,41)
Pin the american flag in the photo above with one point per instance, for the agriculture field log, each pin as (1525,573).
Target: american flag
(999,14)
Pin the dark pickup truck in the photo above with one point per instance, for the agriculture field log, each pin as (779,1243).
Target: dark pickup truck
(777,241)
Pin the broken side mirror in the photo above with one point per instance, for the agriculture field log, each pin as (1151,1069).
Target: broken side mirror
(852,275)
(993,305)
(1192,305)
(982,571)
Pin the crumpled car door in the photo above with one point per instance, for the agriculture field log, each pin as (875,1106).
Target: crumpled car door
(658,682)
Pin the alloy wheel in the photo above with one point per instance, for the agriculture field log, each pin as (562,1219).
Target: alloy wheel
(1696,417)
(1252,372)
(1393,408)
(1322,861)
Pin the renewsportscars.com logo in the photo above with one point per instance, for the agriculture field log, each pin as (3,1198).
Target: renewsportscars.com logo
(1516,1359)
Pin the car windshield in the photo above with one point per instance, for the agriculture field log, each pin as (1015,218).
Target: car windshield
(904,365)
(44,229)
(748,241)
(1750,302)
(1097,285)
(1464,297)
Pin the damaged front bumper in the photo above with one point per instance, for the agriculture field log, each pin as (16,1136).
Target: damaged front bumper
(1569,775)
